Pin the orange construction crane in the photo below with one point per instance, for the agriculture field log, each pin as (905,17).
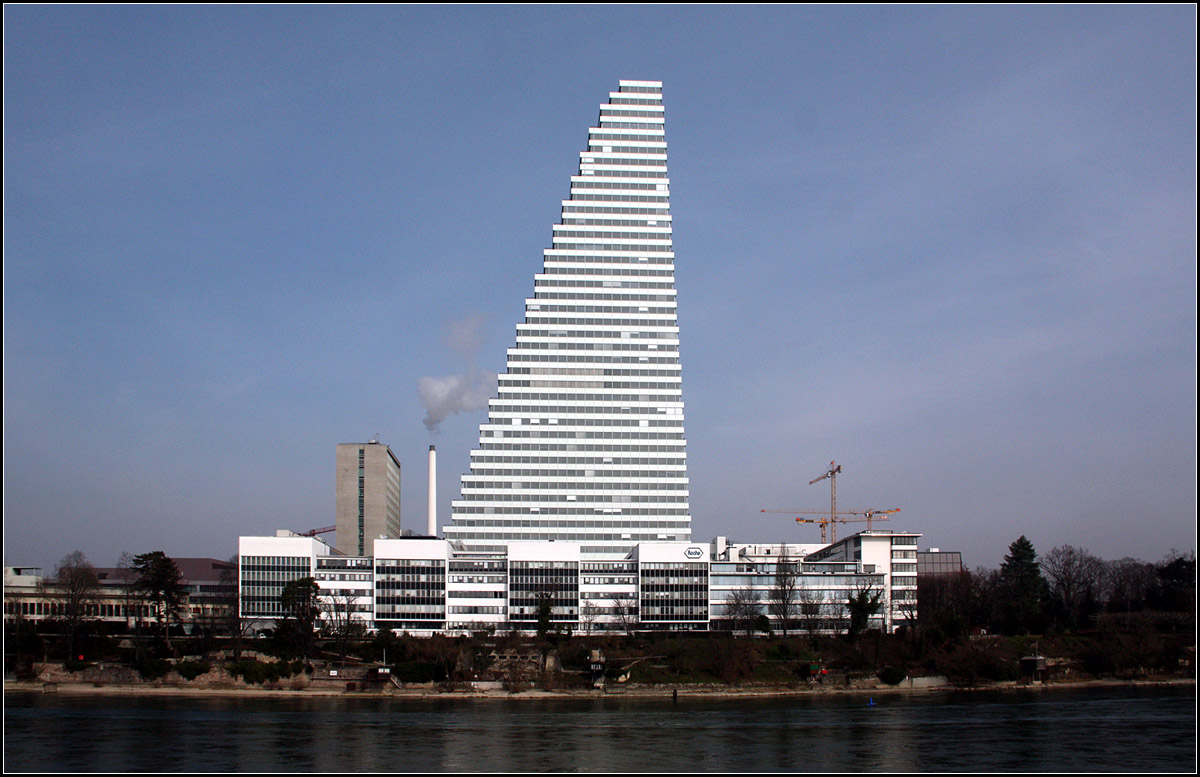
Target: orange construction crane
(869,516)
(832,517)
(832,474)
(315,532)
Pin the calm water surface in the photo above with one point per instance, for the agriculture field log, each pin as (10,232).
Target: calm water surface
(1092,729)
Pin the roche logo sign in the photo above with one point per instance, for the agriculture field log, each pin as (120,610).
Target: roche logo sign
(694,553)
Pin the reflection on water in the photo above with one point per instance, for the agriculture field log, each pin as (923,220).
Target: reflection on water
(1096,729)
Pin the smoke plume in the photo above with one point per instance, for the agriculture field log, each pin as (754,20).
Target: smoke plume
(445,396)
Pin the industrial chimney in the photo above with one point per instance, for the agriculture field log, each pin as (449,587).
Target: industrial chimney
(432,525)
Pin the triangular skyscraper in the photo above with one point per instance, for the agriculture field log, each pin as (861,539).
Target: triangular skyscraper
(585,439)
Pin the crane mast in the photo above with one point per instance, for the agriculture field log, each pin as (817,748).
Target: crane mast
(831,518)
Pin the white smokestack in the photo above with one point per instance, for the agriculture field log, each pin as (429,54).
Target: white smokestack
(432,527)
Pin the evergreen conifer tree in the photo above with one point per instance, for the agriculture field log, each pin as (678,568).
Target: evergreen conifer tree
(1023,590)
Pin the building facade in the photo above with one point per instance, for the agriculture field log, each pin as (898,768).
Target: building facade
(585,439)
(426,585)
(367,496)
(210,590)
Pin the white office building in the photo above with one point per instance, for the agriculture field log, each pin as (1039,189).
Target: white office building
(426,585)
(584,441)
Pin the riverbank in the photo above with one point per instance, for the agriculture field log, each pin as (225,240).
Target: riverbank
(631,691)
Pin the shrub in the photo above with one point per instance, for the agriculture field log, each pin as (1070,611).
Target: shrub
(892,675)
(190,670)
(419,672)
(152,668)
(257,672)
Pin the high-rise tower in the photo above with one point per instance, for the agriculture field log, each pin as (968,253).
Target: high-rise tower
(585,440)
(367,496)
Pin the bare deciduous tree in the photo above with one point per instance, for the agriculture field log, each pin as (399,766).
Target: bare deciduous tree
(742,608)
(783,596)
(626,611)
(1126,583)
(810,607)
(338,622)
(1074,575)
(588,614)
(74,594)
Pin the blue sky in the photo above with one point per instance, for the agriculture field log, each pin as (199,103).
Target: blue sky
(951,248)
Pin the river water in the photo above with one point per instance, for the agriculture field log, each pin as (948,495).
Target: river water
(1085,729)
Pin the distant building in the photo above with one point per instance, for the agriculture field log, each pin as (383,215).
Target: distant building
(367,496)
(936,563)
(210,588)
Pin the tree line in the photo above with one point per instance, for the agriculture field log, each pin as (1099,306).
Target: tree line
(1066,590)
(148,589)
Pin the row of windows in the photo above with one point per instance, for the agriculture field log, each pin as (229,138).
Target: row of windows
(629,385)
(627,539)
(597,334)
(581,283)
(343,563)
(596,136)
(551,345)
(667,257)
(572,206)
(549,269)
(567,473)
(475,594)
(274,563)
(250,575)
(652,219)
(341,576)
(651,158)
(626,580)
(410,591)
(93,610)
(623,97)
(654,113)
(634,101)
(477,579)
(542,568)
(610,223)
(595,182)
(515,523)
(398,609)
(410,596)
(565,259)
(822,582)
(575,460)
(617,180)
(479,566)
(629,124)
(616,372)
(663,199)
(490,445)
(662,233)
(606,422)
(582,504)
(509,511)
(548,435)
(566,358)
(542,319)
